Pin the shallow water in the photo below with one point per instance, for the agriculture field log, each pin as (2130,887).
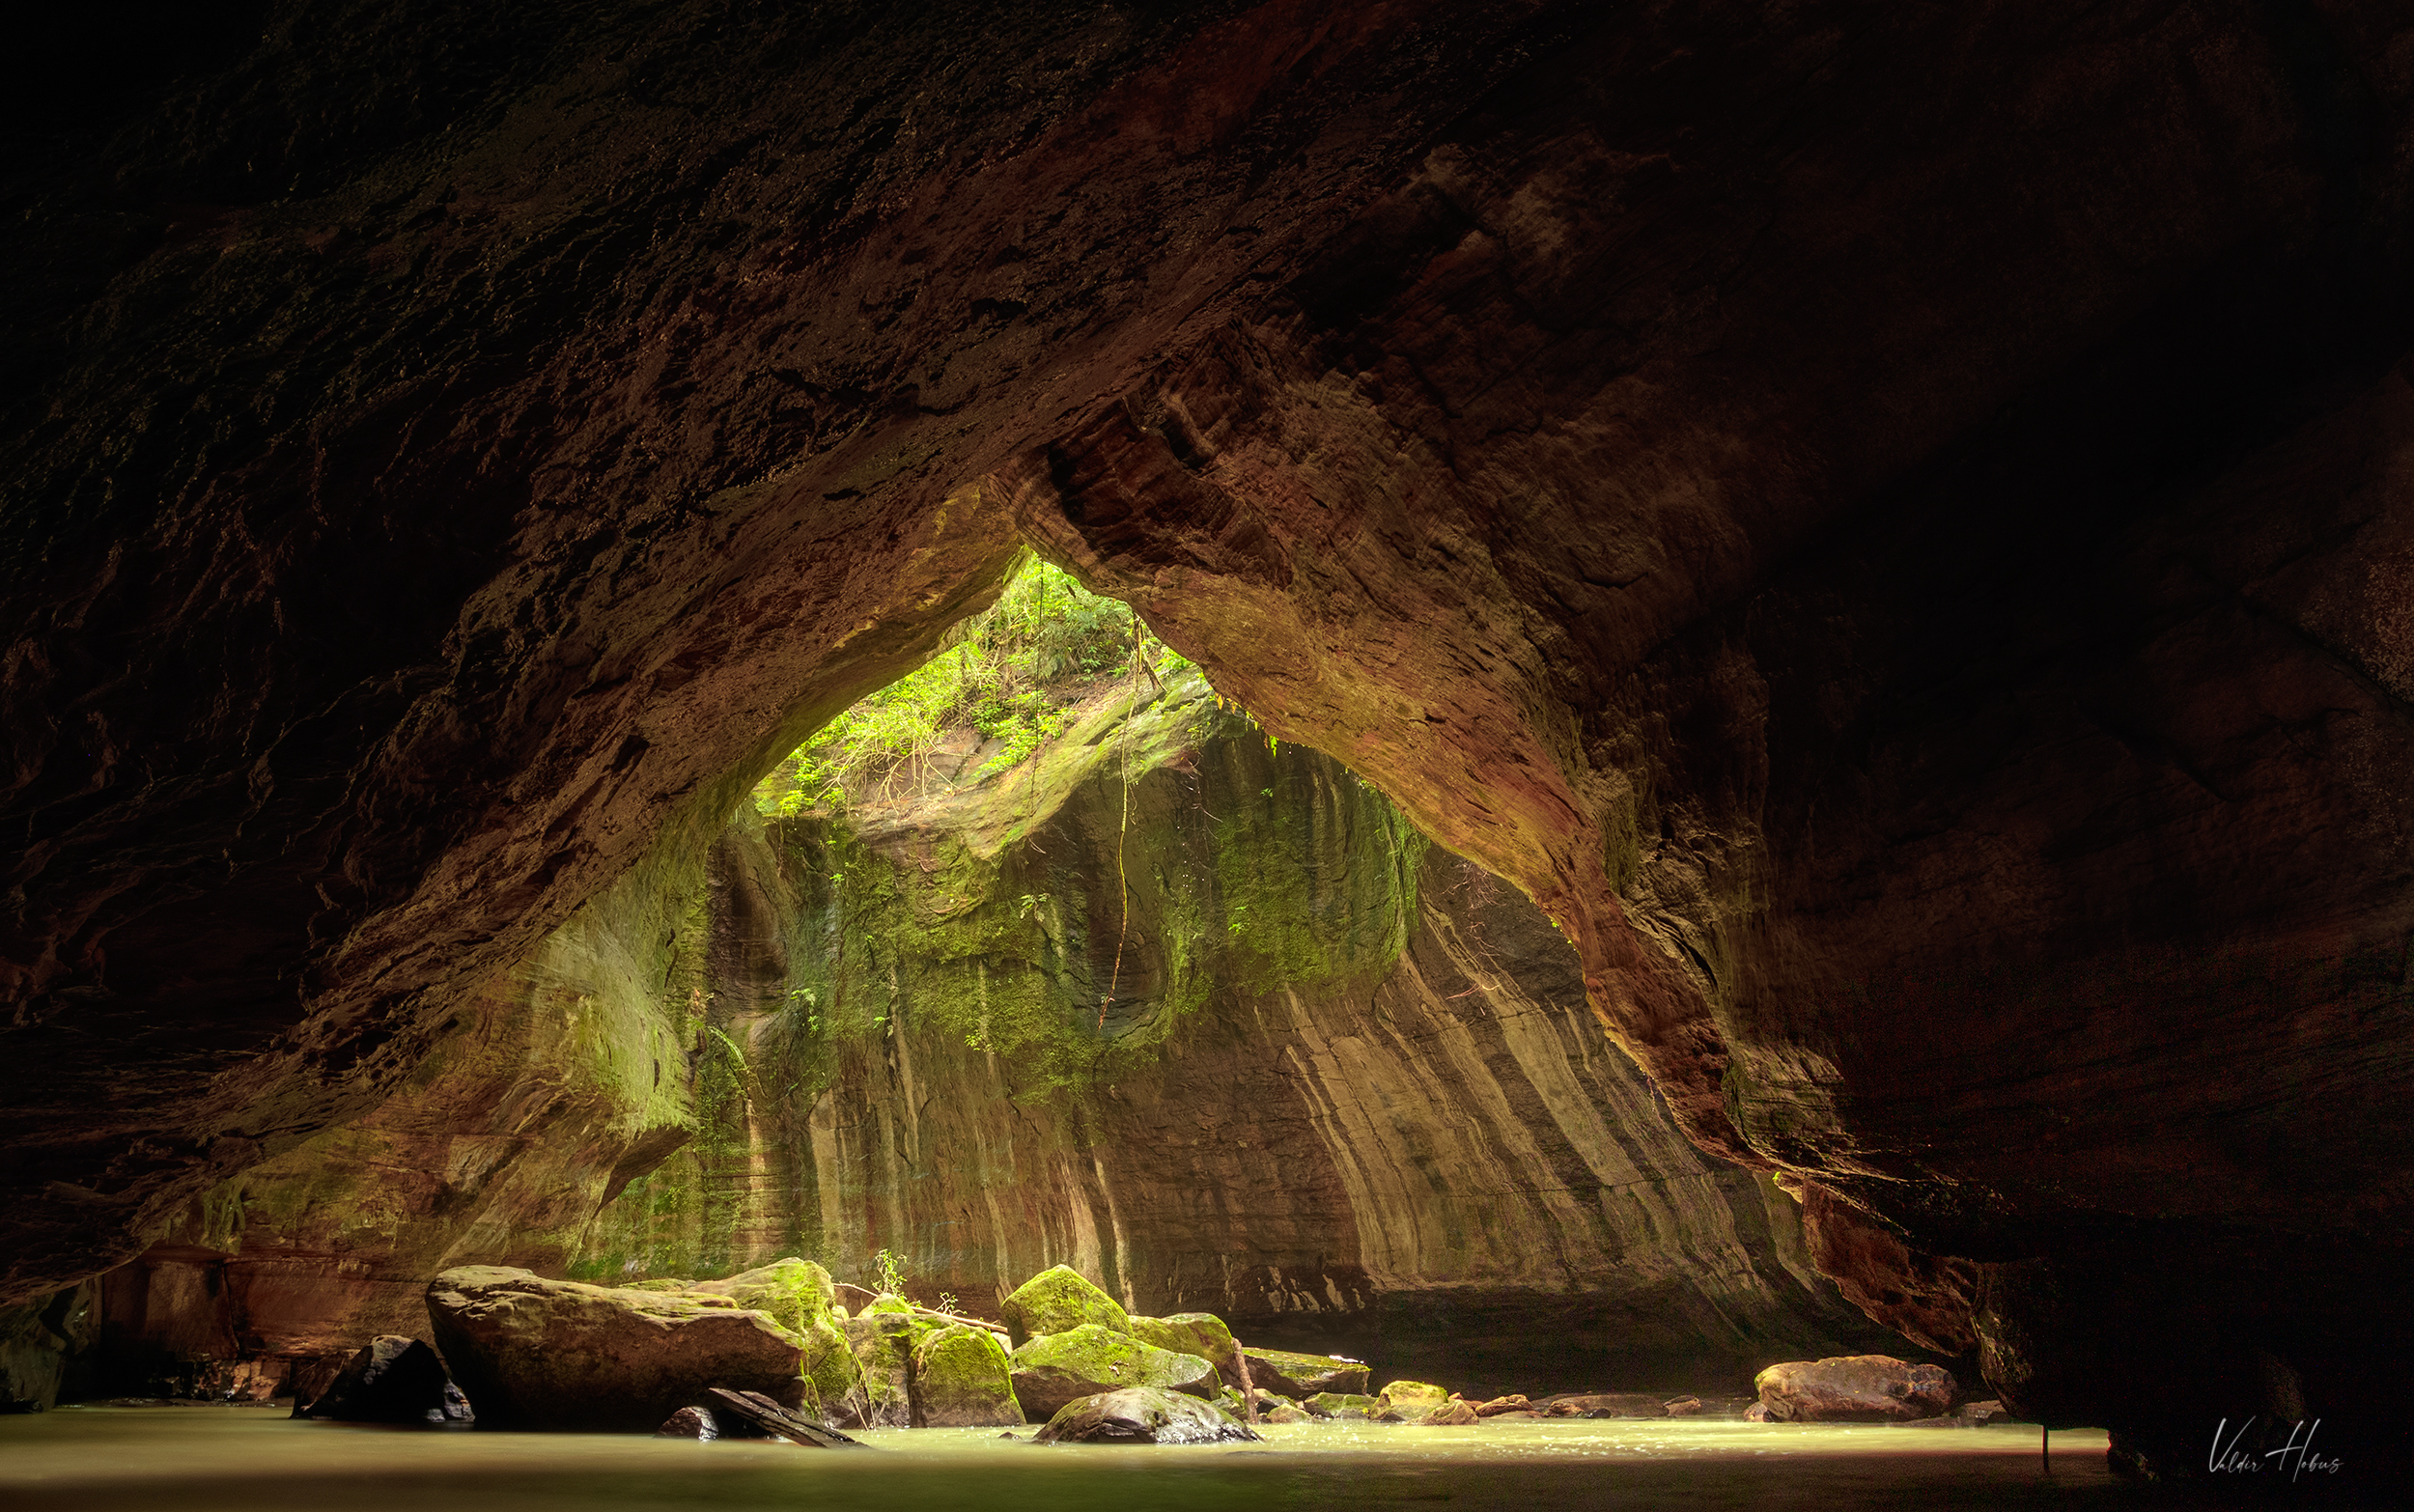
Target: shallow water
(200,1458)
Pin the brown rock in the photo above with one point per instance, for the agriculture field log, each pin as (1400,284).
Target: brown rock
(1452,1414)
(1683,1407)
(1855,1388)
(689,1422)
(1500,1403)
(535,1354)
(392,1380)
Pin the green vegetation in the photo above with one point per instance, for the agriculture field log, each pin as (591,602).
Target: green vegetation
(1003,674)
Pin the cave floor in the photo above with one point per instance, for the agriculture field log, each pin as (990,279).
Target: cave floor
(199,1457)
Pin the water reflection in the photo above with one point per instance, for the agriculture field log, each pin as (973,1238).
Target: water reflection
(197,1459)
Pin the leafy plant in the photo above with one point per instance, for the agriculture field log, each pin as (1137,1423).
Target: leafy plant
(1001,674)
(892,1273)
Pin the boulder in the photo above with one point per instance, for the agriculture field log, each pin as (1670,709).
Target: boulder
(882,1344)
(1503,1404)
(1140,1415)
(1287,1414)
(1452,1414)
(1200,1333)
(1412,1397)
(1603,1404)
(1850,1388)
(793,1293)
(1057,1301)
(962,1380)
(1683,1407)
(1339,1403)
(831,1380)
(537,1354)
(1052,1369)
(392,1380)
(1756,1413)
(1293,1375)
(689,1422)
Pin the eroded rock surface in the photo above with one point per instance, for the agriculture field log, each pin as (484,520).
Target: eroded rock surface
(537,1354)
(1890,524)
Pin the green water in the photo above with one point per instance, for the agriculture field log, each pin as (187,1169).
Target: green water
(200,1458)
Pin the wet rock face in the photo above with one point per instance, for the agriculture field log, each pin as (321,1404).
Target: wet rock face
(1891,527)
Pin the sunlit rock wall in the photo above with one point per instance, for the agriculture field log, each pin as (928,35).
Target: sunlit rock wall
(1325,1079)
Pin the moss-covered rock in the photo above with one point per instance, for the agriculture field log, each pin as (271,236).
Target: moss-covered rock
(532,1352)
(1341,1404)
(1286,1373)
(882,1345)
(793,1293)
(1057,1301)
(1051,1369)
(1287,1414)
(1140,1415)
(962,1380)
(1200,1333)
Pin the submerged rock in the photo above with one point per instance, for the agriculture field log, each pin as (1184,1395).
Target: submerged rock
(1855,1388)
(962,1380)
(537,1354)
(1050,1370)
(1603,1404)
(1057,1301)
(392,1380)
(1200,1333)
(689,1422)
(1140,1415)
(1294,1375)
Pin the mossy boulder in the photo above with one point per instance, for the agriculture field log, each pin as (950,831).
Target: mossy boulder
(1286,1373)
(537,1354)
(962,1380)
(1140,1415)
(1052,1369)
(833,1380)
(1200,1333)
(882,1345)
(1057,1301)
(793,1293)
(1412,1393)
(1341,1404)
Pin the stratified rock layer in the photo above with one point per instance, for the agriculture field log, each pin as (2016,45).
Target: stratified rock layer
(1890,523)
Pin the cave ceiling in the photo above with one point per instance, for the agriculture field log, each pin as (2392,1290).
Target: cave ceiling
(1895,525)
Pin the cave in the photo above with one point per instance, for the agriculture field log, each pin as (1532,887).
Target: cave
(1869,550)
